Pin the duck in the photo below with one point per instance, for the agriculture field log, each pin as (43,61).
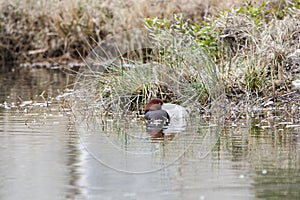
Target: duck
(164,118)
(154,111)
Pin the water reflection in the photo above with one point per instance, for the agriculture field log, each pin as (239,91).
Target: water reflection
(23,84)
(38,160)
(155,133)
(271,157)
(125,146)
(43,157)
(157,129)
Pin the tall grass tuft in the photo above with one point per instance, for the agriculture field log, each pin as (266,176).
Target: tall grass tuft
(254,42)
(178,70)
(243,51)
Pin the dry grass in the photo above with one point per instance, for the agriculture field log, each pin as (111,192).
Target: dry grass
(55,30)
(180,72)
(252,47)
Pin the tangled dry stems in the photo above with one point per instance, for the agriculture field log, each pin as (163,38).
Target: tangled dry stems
(254,51)
(251,53)
(58,31)
(250,58)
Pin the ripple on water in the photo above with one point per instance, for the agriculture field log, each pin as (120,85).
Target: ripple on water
(41,156)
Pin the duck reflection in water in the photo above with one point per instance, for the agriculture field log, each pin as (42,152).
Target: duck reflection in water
(163,118)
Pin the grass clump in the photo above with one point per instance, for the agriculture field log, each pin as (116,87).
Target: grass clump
(178,69)
(241,51)
(246,51)
(33,31)
(253,45)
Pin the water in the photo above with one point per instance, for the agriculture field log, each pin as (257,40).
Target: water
(43,157)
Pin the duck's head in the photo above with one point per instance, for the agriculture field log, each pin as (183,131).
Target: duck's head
(153,111)
(154,104)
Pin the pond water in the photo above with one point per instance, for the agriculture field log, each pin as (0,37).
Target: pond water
(44,155)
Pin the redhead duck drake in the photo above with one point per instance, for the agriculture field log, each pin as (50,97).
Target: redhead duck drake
(154,111)
(159,114)
(168,112)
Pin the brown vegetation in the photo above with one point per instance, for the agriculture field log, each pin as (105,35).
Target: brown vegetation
(57,31)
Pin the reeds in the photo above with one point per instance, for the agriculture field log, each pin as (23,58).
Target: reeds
(245,48)
(44,30)
(177,69)
(57,31)
(254,44)
(241,54)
